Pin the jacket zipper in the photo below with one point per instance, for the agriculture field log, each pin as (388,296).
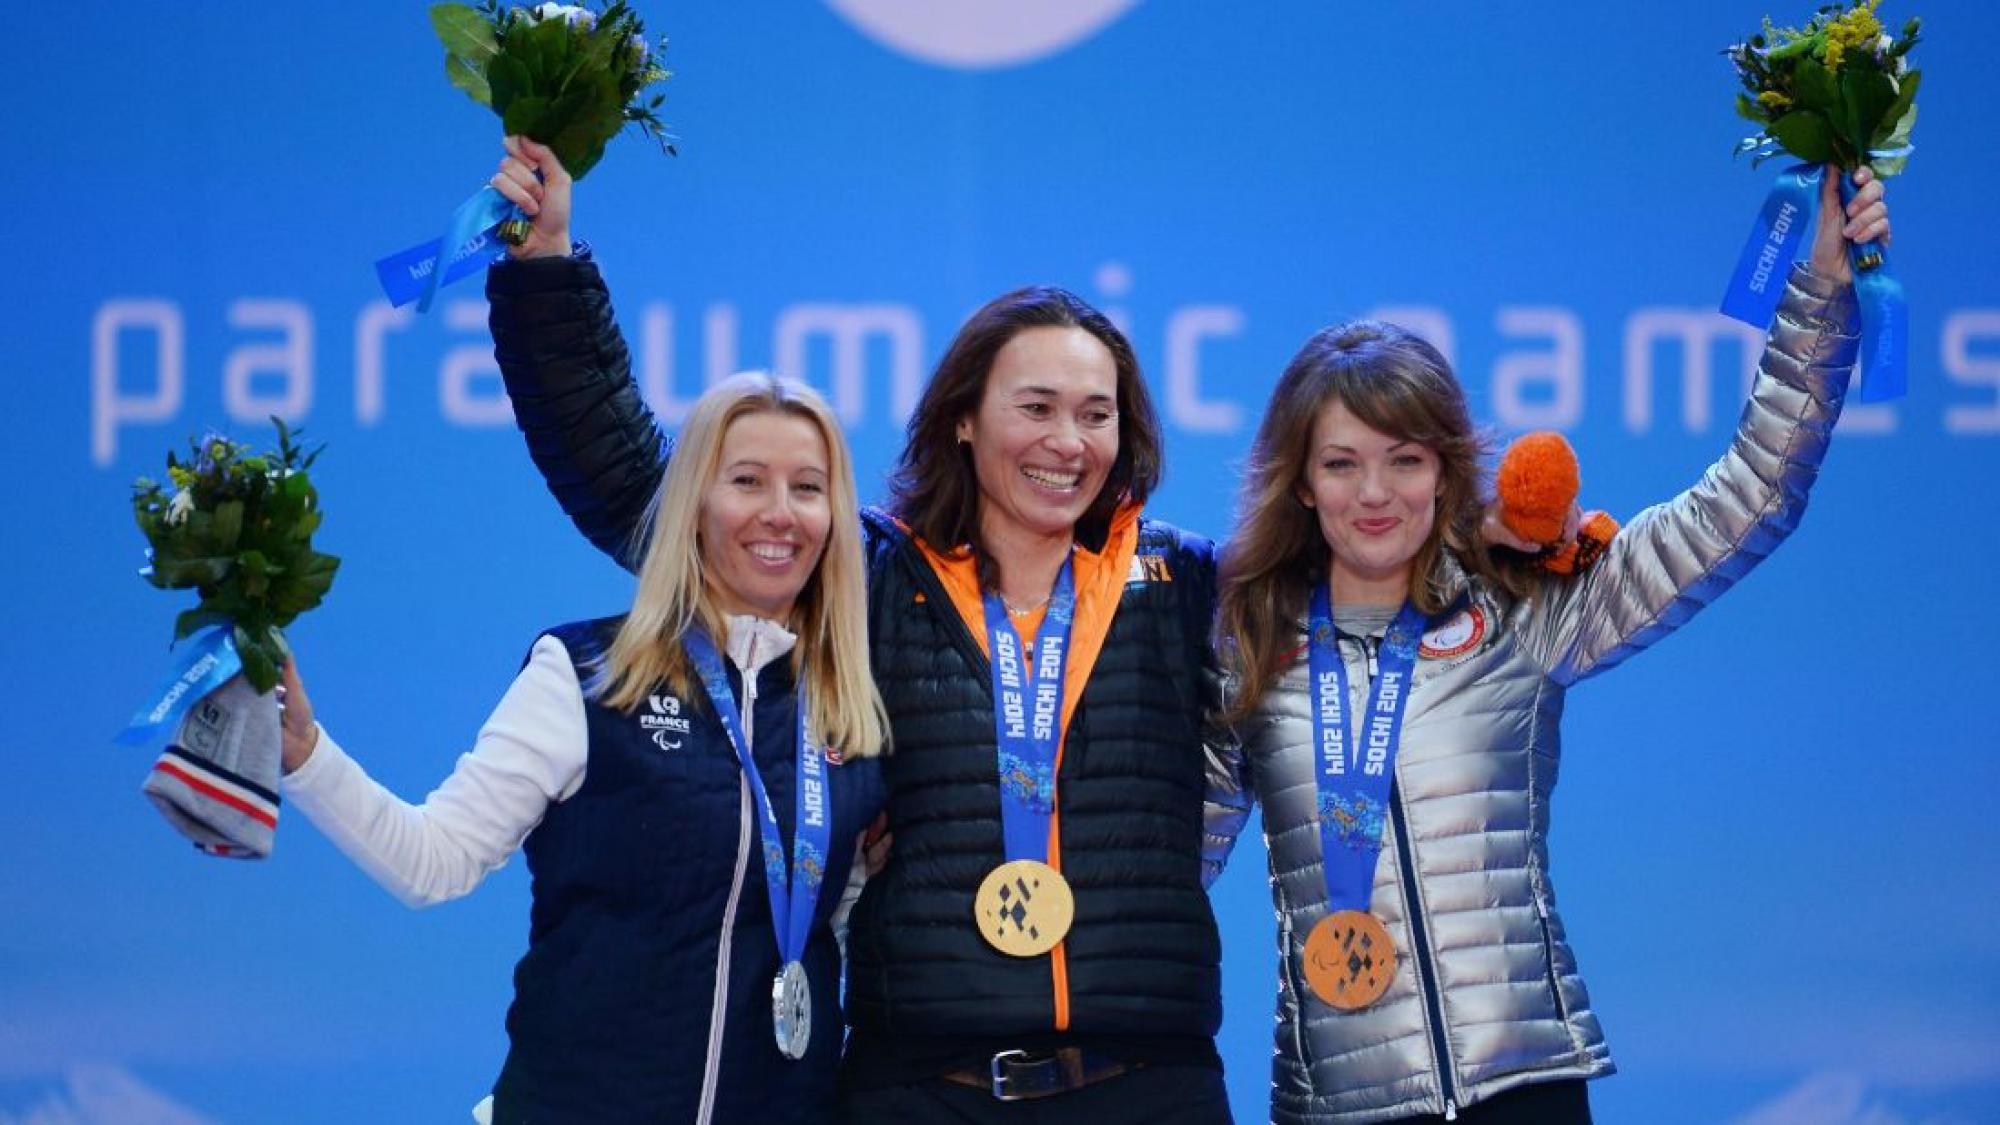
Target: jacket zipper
(1413,910)
(1549,959)
(712,1065)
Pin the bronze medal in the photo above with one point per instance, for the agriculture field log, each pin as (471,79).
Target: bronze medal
(1024,908)
(1349,959)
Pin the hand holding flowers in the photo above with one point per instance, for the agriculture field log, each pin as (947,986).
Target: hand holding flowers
(1840,96)
(534,180)
(568,77)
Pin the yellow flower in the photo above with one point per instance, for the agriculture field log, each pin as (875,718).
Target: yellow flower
(1773,99)
(181,477)
(1856,29)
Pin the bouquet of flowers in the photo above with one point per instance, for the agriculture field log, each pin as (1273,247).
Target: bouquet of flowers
(559,74)
(1839,91)
(236,527)
(564,75)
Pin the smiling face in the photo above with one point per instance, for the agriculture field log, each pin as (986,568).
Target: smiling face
(765,515)
(1045,435)
(1376,500)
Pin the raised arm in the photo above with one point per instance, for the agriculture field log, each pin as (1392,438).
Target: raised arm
(566,367)
(1672,560)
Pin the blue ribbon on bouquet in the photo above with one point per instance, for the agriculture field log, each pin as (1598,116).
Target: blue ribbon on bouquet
(206,663)
(1776,240)
(415,274)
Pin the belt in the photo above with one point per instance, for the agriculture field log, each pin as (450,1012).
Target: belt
(1014,1076)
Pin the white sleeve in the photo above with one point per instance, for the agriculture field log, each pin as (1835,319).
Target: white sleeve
(530,753)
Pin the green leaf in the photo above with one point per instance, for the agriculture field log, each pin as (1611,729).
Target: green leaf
(195,620)
(259,665)
(181,573)
(1886,166)
(1805,135)
(464,32)
(472,81)
(1868,94)
(508,79)
(1813,87)
(227,526)
(1897,119)
(1746,108)
(525,117)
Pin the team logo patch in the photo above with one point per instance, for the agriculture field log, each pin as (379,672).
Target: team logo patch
(665,724)
(1148,568)
(1456,637)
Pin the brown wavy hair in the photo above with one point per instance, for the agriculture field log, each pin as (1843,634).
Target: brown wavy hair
(1396,384)
(934,490)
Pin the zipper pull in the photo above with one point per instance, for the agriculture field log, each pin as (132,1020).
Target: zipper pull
(1450,1110)
(1368,645)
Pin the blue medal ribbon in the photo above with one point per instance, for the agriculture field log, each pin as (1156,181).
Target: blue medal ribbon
(1885,319)
(1356,770)
(1773,245)
(415,274)
(205,664)
(793,894)
(1776,241)
(1027,717)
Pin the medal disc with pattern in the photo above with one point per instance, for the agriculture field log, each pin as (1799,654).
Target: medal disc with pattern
(1024,908)
(791,1010)
(1349,959)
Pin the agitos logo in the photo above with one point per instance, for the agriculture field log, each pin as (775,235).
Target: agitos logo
(980,34)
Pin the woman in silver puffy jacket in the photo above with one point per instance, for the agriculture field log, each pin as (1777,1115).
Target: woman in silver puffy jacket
(1405,746)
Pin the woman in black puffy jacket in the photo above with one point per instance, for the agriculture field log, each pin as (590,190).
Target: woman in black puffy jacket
(1036,949)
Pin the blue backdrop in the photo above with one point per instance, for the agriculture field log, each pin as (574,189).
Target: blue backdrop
(1774,836)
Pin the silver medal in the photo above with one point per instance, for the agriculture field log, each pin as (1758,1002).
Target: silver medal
(791,1010)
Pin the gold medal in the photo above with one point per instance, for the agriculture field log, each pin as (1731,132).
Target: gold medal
(1024,908)
(1349,959)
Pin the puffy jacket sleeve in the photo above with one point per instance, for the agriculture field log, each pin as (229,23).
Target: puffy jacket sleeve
(1230,795)
(1675,558)
(569,377)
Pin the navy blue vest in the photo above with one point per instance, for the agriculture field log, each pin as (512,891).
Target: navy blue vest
(632,881)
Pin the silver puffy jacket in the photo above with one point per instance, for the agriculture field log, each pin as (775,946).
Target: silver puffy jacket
(1486,996)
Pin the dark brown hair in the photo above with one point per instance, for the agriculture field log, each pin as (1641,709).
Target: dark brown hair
(1396,384)
(934,490)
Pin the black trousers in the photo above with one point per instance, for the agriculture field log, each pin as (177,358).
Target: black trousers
(1156,1095)
(1551,1103)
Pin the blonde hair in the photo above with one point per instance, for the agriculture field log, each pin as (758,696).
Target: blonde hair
(1397,384)
(830,615)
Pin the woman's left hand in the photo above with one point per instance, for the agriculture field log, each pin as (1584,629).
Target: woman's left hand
(1495,533)
(875,846)
(1864,219)
(295,719)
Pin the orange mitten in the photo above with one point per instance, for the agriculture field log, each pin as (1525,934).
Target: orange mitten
(1538,482)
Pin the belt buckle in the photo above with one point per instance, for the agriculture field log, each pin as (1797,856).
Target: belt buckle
(997,1068)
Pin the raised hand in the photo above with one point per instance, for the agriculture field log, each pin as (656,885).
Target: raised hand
(1864,219)
(533,179)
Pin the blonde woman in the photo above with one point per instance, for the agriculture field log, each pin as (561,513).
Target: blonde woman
(688,781)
